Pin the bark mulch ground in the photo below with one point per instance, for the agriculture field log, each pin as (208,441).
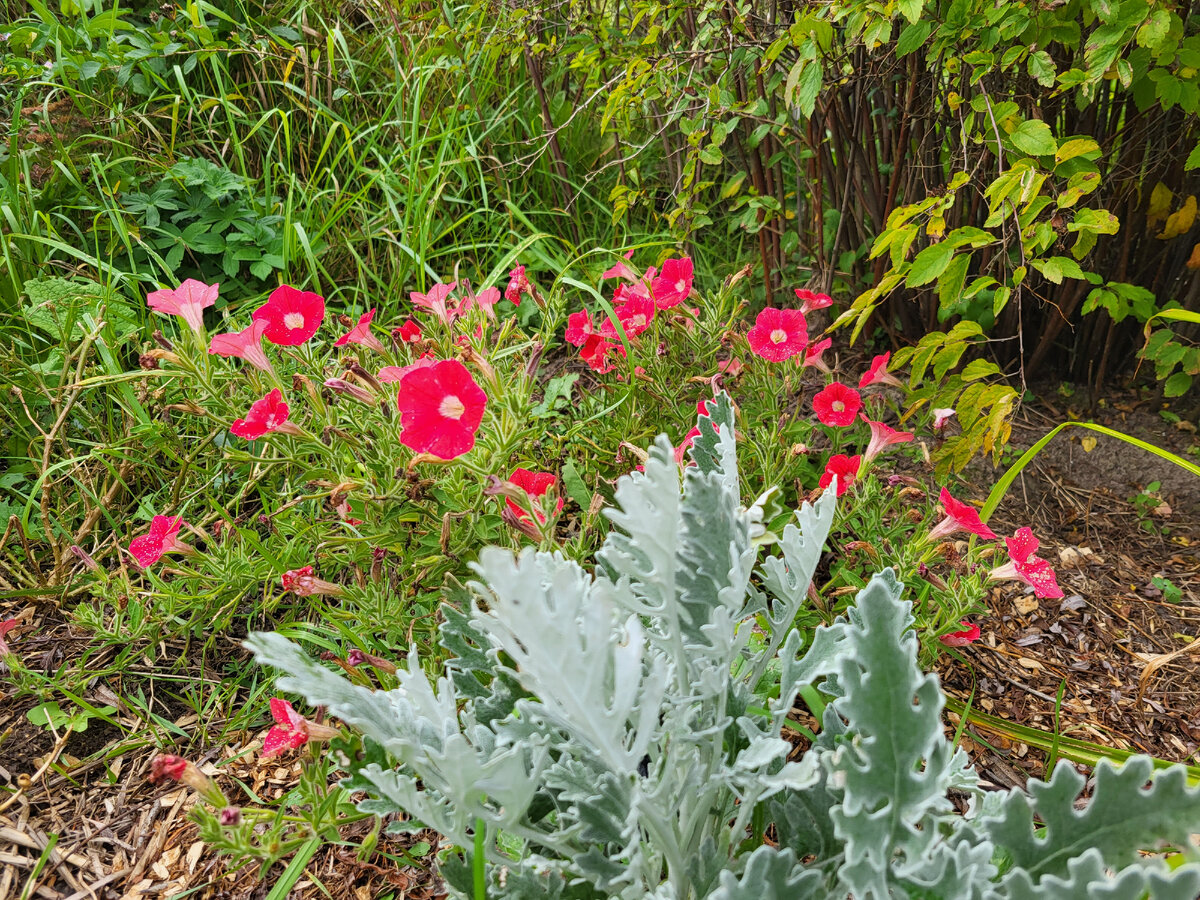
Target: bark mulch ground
(78,819)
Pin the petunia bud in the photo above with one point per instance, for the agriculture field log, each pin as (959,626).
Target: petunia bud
(230,817)
(342,386)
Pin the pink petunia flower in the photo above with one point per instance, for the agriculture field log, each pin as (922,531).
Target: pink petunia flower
(361,334)
(1025,566)
(303,583)
(845,468)
(778,334)
(409,332)
(534,484)
(264,416)
(878,373)
(837,405)
(812,355)
(291,730)
(441,407)
(674,283)
(959,517)
(158,542)
(621,270)
(579,328)
(731,367)
(811,300)
(518,284)
(968,635)
(940,417)
(292,316)
(635,314)
(245,344)
(188,301)
(435,300)
(883,436)
(5,627)
(485,300)
(395,374)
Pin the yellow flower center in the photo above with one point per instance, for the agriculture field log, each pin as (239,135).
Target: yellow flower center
(838,406)
(778,336)
(294,320)
(451,407)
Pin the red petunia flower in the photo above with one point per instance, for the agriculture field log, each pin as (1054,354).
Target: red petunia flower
(158,542)
(811,300)
(846,470)
(441,407)
(435,300)
(535,484)
(188,301)
(265,415)
(878,373)
(168,767)
(883,436)
(579,328)
(674,283)
(361,334)
(685,445)
(969,635)
(778,334)
(837,405)
(1027,567)
(635,314)
(410,332)
(959,517)
(246,344)
(518,284)
(595,353)
(291,730)
(812,355)
(292,316)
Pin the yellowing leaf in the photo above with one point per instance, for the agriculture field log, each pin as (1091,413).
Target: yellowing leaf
(1160,205)
(936,228)
(1089,444)
(1194,260)
(1180,222)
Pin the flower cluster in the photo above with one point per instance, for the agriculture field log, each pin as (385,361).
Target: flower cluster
(635,302)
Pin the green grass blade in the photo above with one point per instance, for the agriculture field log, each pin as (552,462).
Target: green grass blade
(1001,487)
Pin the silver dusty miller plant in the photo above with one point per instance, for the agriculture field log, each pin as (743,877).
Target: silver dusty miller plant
(611,734)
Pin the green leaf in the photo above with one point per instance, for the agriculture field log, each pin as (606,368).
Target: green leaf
(1034,137)
(929,264)
(950,284)
(910,9)
(1177,385)
(1041,68)
(912,37)
(1193,160)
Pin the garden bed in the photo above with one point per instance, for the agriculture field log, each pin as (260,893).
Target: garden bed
(1103,665)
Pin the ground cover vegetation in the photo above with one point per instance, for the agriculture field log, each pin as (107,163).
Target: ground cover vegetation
(306,304)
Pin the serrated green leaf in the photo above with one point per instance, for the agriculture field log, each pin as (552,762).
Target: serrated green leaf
(1035,138)
(929,264)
